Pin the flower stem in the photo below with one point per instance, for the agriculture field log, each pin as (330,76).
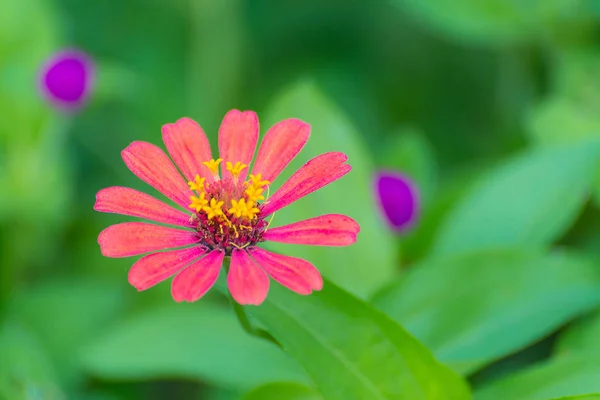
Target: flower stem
(243,319)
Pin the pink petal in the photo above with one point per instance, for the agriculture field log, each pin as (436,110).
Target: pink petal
(294,273)
(133,238)
(152,165)
(318,172)
(189,148)
(325,230)
(155,268)
(126,201)
(194,281)
(279,146)
(237,139)
(247,282)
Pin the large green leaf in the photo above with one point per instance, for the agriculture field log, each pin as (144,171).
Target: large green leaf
(353,351)
(581,337)
(184,340)
(565,376)
(281,390)
(25,370)
(367,264)
(530,200)
(475,308)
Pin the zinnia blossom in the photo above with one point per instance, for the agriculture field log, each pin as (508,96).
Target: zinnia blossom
(398,199)
(66,79)
(227,214)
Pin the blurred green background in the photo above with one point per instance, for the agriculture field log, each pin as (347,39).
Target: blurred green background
(491,106)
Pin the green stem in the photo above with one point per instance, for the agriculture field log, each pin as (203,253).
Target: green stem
(240,313)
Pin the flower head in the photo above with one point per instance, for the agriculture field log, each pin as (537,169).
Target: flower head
(222,215)
(398,199)
(66,79)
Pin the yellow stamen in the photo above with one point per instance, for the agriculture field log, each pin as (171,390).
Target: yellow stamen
(213,209)
(238,208)
(235,169)
(197,184)
(251,211)
(237,235)
(213,166)
(254,194)
(198,203)
(257,181)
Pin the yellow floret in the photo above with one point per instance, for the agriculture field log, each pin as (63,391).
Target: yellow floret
(238,207)
(235,169)
(213,209)
(197,184)
(213,166)
(198,203)
(254,194)
(257,181)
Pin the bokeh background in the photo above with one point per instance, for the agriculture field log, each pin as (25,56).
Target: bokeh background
(491,107)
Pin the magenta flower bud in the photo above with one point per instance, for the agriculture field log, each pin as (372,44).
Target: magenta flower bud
(66,79)
(398,199)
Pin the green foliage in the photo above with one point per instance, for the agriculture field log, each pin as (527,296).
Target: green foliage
(509,306)
(555,378)
(490,106)
(530,200)
(203,343)
(329,332)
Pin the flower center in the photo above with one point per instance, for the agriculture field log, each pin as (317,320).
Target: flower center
(227,211)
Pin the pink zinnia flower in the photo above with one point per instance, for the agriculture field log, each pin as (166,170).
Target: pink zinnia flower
(226,215)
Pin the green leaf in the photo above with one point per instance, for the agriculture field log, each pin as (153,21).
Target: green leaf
(25,371)
(583,397)
(581,337)
(351,195)
(281,390)
(530,200)
(188,341)
(353,351)
(66,314)
(511,297)
(558,377)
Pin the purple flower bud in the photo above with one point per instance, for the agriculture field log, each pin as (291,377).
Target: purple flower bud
(66,79)
(398,199)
